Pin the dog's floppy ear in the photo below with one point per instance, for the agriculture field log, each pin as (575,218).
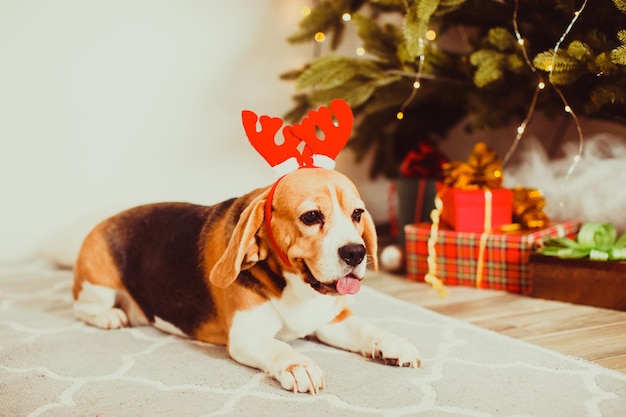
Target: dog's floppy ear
(243,250)
(371,239)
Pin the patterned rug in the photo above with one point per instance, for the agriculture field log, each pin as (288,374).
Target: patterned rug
(53,365)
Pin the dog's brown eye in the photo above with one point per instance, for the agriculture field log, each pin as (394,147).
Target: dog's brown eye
(356,215)
(312,217)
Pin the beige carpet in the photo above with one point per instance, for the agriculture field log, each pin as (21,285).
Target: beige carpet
(53,365)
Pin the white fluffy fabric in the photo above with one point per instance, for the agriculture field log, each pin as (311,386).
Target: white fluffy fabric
(594,192)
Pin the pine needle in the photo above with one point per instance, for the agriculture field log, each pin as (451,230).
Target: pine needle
(621,5)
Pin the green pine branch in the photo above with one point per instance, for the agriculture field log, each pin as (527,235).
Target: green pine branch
(618,55)
(381,41)
(621,5)
(326,17)
(474,68)
(331,71)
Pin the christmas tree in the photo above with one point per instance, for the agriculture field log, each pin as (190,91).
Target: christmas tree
(426,65)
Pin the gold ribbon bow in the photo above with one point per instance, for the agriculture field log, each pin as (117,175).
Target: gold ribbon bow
(528,204)
(483,169)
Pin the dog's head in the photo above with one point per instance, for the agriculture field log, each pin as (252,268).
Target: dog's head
(319,223)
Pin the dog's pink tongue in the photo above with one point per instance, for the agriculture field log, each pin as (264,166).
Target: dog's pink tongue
(348,285)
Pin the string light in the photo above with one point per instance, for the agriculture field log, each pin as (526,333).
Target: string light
(521,129)
(562,38)
(305,11)
(568,109)
(360,51)
(417,82)
(320,37)
(346,17)
(540,86)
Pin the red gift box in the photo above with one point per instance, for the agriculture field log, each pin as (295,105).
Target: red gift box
(496,260)
(466,210)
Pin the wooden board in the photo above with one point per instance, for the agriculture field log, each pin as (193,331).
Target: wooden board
(595,334)
(580,281)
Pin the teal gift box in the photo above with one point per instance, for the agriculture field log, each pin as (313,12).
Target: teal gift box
(416,199)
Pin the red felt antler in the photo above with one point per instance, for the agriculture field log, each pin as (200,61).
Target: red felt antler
(335,136)
(305,159)
(316,151)
(264,140)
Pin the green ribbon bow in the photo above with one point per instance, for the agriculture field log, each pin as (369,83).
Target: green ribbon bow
(596,240)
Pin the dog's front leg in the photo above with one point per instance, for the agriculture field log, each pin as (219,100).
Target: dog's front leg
(358,335)
(252,342)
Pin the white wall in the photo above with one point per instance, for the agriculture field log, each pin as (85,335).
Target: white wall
(110,104)
(115,103)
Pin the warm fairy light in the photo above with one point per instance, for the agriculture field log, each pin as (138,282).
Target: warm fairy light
(416,83)
(305,11)
(431,35)
(541,85)
(558,45)
(320,37)
(346,17)
(360,51)
(521,129)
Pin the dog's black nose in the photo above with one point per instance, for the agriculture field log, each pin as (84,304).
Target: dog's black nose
(352,254)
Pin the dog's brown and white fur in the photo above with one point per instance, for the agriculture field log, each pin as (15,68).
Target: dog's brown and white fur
(210,273)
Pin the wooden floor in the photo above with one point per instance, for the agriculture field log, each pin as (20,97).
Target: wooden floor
(595,334)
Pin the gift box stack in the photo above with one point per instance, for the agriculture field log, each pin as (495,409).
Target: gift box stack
(482,234)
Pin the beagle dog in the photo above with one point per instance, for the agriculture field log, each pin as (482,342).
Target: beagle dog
(251,273)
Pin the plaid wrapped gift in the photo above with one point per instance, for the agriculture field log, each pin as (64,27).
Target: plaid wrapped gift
(504,264)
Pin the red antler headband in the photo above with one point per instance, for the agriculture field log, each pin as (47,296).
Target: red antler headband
(317,152)
(287,156)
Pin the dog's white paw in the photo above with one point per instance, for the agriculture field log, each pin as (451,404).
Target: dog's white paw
(393,350)
(114,318)
(304,376)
